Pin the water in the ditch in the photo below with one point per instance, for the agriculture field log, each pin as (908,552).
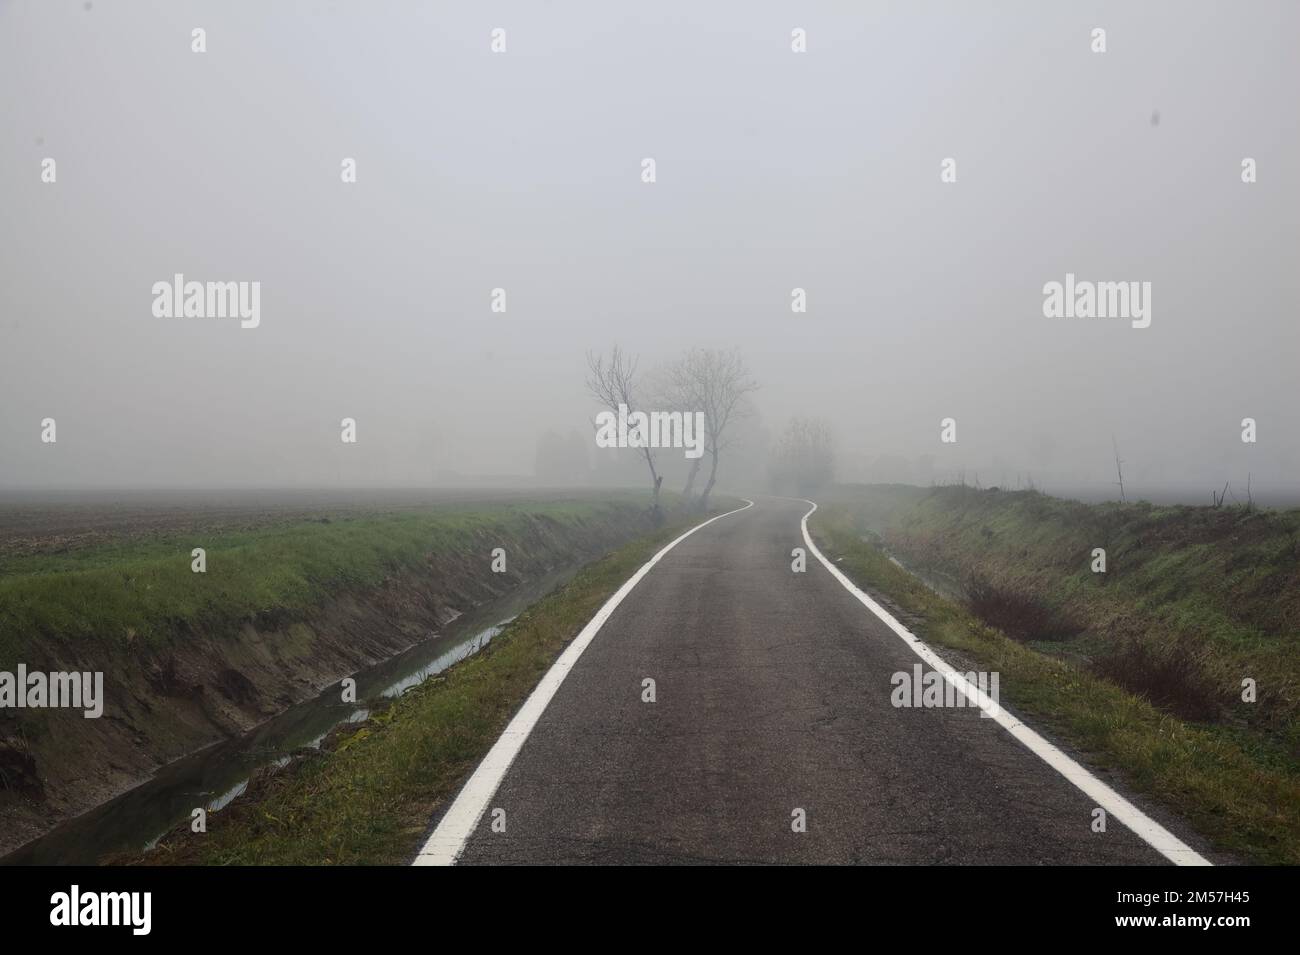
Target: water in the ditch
(215,776)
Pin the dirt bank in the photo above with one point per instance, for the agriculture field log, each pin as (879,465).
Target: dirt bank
(166,699)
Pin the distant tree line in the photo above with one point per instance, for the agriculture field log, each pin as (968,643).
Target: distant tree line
(803,458)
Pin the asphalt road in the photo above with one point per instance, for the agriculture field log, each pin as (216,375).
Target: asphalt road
(772,695)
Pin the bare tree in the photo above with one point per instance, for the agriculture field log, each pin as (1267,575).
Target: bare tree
(1218,498)
(614,383)
(675,391)
(715,382)
(1119,469)
(1249,504)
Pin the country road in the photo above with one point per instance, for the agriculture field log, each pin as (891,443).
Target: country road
(772,695)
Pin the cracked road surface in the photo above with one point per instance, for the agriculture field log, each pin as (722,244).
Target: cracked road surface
(772,695)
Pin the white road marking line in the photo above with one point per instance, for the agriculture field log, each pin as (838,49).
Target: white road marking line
(448,840)
(1146,828)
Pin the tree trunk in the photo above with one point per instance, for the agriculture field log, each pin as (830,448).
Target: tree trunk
(690,479)
(658,481)
(713,477)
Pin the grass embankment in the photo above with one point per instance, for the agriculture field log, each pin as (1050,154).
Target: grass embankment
(144,590)
(369,798)
(1139,667)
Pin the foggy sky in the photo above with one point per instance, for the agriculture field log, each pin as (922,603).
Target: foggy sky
(522,170)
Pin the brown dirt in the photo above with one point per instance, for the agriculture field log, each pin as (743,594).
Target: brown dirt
(201,686)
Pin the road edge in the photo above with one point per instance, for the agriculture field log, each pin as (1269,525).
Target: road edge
(447,842)
(1143,826)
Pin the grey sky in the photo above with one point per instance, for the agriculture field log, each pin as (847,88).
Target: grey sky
(521,170)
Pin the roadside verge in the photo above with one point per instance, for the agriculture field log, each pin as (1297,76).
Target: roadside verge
(367,796)
(1227,793)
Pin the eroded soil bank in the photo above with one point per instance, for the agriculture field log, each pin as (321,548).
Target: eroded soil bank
(200,684)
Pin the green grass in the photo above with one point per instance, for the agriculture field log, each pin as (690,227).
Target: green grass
(1238,786)
(144,589)
(368,800)
(1222,584)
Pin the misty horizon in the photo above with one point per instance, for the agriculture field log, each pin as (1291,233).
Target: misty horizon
(741,433)
(775,172)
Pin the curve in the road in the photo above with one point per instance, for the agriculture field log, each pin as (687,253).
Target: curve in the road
(773,702)
(448,839)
